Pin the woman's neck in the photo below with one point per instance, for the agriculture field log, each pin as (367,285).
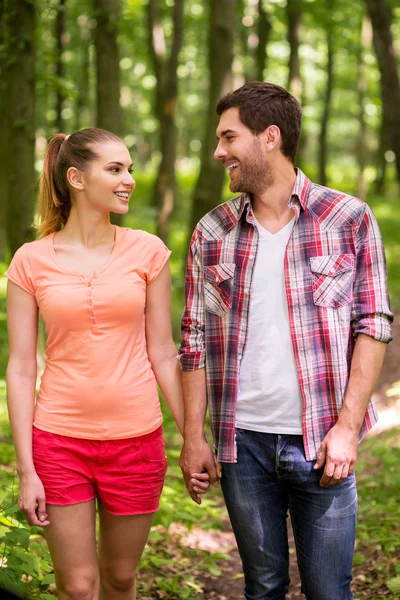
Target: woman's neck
(89,229)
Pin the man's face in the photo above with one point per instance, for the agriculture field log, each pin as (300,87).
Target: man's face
(243,154)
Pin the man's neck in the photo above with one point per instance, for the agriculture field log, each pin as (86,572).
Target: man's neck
(271,206)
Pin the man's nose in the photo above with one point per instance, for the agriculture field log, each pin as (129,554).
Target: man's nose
(220,152)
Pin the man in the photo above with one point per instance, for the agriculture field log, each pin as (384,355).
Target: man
(286,322)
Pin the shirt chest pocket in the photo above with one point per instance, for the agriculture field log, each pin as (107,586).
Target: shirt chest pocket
(332,279)
(218,288)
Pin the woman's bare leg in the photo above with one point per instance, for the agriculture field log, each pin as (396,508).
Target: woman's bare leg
(122,541)
(71,537)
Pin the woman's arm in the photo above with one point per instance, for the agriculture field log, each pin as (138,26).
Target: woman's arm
(160,346)
(22,320)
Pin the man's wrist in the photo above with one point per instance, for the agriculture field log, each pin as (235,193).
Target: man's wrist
(194,434)
(349,422)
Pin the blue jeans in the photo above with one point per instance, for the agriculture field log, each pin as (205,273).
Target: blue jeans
(271,477)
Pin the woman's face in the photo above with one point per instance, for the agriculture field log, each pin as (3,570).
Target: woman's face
(107,183)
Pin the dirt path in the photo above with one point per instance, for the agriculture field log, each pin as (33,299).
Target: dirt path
(229,585)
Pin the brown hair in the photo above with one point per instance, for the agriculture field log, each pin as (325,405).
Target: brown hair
(63,152)
(262,104)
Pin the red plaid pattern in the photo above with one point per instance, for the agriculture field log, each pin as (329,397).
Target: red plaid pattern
(335,277)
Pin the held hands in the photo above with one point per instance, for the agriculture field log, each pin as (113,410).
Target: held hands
(338,452)
(199,468)
(32,500)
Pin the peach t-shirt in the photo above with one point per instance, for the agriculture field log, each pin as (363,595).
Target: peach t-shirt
(98,382)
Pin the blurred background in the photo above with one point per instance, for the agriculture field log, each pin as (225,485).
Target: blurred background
(152,72)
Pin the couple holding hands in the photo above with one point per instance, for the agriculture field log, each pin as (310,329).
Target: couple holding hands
(285,327)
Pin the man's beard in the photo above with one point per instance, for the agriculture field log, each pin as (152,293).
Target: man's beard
(255,174)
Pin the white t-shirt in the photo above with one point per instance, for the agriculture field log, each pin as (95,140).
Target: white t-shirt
(269,397)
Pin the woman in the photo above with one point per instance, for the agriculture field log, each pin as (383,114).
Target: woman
(95,432)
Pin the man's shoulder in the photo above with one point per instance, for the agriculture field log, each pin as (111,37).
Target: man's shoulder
(221,219)
(334,208)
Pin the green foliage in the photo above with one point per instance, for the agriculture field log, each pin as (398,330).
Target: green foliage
(378,532)
(388,216)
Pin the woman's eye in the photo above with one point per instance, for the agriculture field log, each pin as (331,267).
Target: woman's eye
(130,171)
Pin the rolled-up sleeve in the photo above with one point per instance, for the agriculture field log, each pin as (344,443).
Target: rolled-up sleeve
(192,354)
(371,313)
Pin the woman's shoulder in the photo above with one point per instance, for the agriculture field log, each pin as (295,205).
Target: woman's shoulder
(141,237)
(34,248)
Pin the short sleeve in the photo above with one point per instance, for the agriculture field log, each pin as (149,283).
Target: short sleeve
(20,271)
(154,255)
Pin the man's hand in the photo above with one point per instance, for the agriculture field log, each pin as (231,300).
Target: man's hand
(338,452)
(199,467)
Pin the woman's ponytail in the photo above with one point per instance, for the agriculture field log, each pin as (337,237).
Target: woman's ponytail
(54,205)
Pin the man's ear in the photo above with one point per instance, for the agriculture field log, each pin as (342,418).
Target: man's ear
(75,178)
(272,136)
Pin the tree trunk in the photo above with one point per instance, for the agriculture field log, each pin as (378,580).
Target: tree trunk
(221,34)
(83,99)
(390,84)
(380,159)
(254,42)
(109,111)
(323,135)
(4,173)
(166,101)
(361,150)
(264,30)
(59,35)
(295,86)
(20,78)
(295,83)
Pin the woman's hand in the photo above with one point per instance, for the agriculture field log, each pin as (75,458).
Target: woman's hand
(32,500)
(198,485)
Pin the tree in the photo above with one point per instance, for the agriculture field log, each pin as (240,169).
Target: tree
(390,84)
(254,38)
(323,134)
(20,81)
(221,33)
(165,69)
(59,28)
(264,30)
(4,173)
(361,150)
(295,83)
(293,8)
(83,99)
(109,110)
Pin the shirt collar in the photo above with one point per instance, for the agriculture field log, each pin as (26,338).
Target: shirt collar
(301,189)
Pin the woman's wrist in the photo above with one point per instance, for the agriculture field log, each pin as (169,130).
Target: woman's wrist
(25,471)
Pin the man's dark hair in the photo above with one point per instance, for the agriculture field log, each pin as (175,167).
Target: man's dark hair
(262,104)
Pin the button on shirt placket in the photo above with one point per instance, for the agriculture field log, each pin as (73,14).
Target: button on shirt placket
(91,305)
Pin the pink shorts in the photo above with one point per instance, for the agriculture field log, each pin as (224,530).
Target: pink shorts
(127,475)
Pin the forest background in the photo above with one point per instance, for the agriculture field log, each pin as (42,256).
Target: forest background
(152,71)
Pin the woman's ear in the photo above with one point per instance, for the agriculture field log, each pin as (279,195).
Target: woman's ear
(75,178)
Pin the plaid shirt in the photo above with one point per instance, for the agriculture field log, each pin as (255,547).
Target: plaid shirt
(335,278)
